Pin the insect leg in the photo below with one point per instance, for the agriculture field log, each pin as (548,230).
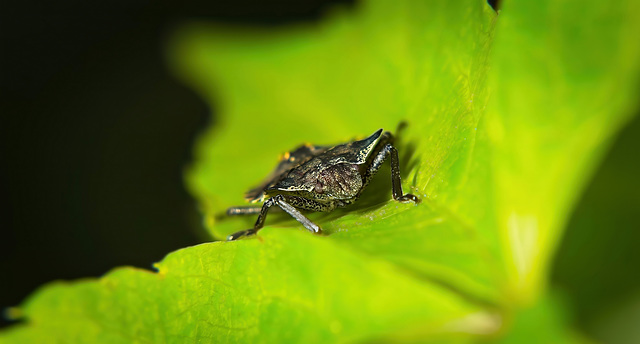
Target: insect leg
(296,214)
(278,200)
(243,210)
(396,185)
(247,210)
(259,222)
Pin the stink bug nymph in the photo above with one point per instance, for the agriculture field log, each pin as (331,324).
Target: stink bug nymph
(322,178)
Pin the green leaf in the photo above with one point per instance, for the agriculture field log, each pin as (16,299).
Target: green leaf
(425,63)
(508,116)
(567,74)
(223,292)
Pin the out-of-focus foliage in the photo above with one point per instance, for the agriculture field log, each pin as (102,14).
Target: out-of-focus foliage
(508,116)
(597,259)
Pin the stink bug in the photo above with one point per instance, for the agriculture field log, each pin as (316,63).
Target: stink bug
(322,178)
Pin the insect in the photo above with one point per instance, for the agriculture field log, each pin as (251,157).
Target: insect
(322,178)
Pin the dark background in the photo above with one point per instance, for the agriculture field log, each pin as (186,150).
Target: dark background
(94,133)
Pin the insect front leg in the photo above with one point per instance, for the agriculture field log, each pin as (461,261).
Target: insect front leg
(281,202)
(396,185)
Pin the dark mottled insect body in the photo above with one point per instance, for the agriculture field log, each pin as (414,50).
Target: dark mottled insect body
(322,178)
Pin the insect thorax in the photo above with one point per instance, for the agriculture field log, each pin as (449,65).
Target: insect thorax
(341,181)
(332,183)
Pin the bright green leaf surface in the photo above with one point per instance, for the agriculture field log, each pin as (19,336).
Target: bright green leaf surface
(507,117)
(220,292)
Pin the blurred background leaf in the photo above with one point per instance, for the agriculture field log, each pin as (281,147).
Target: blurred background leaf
(595,265)
(494,174)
